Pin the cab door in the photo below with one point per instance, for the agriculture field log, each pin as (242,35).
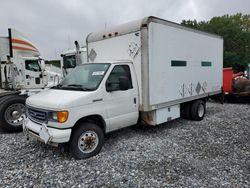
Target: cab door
(33,74)
(122,105)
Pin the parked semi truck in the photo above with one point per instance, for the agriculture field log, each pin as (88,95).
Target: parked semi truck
(150,70)
(72,58)
(22,74)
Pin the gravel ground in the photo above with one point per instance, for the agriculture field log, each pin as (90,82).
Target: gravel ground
(212,153)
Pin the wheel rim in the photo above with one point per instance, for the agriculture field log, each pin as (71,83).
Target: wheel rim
(88,142)
(14,114)
(201,110)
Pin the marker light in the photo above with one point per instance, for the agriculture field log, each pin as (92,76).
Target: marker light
(62,116)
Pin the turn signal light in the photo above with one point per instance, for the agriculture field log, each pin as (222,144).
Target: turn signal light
(62,116)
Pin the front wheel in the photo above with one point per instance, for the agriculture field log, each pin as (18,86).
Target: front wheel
(12,112)
(86,141)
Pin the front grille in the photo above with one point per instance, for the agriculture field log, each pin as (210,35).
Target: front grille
(37,115)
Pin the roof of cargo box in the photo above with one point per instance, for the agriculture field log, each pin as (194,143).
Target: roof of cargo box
(137,25)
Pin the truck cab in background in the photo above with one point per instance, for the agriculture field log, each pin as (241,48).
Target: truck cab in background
(22,73)
(72,58)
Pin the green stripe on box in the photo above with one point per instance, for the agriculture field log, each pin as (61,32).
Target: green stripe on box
(206,64)
(177,63)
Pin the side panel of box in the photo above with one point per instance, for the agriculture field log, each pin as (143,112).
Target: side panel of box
(182,64)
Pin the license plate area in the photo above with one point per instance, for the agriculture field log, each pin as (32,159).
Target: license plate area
(44,134)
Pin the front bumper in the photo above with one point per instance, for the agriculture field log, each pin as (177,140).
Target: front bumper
(46,134)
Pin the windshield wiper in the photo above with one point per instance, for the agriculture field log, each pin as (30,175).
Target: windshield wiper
(57,86)
(77,86)
(74,85)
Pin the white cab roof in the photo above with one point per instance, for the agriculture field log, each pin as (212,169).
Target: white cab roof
(73,51)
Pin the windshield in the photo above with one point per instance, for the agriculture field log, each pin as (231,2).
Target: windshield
(69,61)
(86,77)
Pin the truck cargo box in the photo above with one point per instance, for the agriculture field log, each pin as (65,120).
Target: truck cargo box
(174,64)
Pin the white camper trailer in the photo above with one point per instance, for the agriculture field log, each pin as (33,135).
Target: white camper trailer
(150,70)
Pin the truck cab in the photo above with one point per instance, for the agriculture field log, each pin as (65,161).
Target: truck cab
(22,73)
(34,73)
(26,72)
(69,59)
(104,96)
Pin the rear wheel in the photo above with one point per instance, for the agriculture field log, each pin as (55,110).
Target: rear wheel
(12,113)
(198,110)
(86,141)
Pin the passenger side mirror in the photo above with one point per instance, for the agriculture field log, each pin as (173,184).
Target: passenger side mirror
(123,83)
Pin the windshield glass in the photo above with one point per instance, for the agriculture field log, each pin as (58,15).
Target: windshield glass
(69,61)
(85,77)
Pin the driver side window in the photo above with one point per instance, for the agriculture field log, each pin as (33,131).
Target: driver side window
(32,66)
(117,72)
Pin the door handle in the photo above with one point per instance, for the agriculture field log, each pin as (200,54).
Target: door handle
(134,100)
(96,100)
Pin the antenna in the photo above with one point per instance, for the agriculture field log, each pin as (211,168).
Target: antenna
(55,53)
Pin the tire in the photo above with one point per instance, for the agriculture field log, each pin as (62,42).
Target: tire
(186,110)
(82,137)
(11,120)
(198,110)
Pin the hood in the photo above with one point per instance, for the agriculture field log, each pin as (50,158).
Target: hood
(59,99)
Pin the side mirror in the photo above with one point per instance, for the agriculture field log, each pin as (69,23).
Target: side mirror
(109,86)
(123,83)
(42,64)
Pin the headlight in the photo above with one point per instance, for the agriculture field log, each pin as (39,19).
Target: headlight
(59,117)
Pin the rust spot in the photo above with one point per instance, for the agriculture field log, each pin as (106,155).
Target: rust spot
(148,118)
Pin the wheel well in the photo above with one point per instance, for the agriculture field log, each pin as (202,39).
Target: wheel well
(97,119)
(205,99)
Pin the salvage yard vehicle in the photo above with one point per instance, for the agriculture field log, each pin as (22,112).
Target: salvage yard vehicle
(236,86)
(72,58)
(22,74)
(150,70)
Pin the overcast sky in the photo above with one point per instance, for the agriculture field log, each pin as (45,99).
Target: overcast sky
(54,25)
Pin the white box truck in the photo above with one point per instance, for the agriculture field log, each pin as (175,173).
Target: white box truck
(150,70)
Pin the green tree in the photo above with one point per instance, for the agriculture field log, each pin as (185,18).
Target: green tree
(53,62)
(235,30)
